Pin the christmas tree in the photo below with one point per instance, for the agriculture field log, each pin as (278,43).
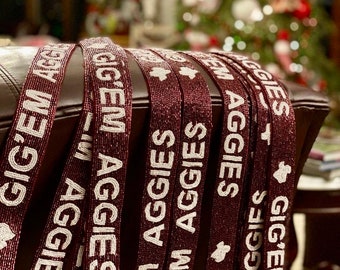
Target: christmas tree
(286,36)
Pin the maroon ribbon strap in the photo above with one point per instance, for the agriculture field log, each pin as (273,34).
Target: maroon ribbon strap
(193,161)
(250,251)
(58,242)
(162,158)
(281,171)
(232,162)
(25,148)
(112,95)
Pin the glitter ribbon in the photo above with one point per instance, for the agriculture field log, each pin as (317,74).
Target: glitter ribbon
(162,158)
(233,160)
(26,144)
(281,168)
(112,97)
(66,217)
(193,161)
(248,204)
(250,249)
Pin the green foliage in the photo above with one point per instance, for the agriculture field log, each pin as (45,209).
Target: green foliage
(311,34)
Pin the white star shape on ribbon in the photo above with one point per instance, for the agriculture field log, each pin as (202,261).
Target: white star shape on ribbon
(185,71)
(159,73)
(282,172)
(6,234)
(220,252)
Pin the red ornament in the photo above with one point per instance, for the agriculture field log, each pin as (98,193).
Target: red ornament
(213,41)
(322,85)
(303,11)
(283,35)
(300,80)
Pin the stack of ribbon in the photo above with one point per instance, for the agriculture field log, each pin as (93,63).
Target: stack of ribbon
(196,203)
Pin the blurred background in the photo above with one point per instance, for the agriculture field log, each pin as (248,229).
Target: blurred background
(296,40)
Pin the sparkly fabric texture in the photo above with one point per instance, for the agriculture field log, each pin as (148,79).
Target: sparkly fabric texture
(26,144)
(205,180)
(162,158)
(112,98)
(193,160)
